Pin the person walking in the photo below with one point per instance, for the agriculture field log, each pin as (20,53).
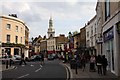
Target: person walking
(99,64)
(22,59)
(83,62)
(104,64)
(41,58)
(92,63)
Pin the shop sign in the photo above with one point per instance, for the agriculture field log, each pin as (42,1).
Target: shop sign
(99,40)
(109,34)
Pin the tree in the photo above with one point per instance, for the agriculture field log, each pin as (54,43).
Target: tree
(75,32)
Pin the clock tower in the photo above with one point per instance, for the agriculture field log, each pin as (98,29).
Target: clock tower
(51,30)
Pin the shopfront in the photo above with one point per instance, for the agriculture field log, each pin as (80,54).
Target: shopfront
(108,37)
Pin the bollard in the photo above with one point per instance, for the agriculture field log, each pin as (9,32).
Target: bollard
(6,64)
(10,62)
(76,68)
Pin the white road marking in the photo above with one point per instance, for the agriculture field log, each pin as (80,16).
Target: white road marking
(37,70)
(15,67)
(23,65)
(31,65)
(41,66)
(23,76)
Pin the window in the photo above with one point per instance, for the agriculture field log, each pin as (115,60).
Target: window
(21,39)
(8,26)
(95,29)
(17,28)
(88,34)
(21,29)
(8,39)
(16,39)
(107,9)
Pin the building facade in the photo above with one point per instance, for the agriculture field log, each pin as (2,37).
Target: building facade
(91,34)
(111,36)
(108,22)
(82,44)
(76,40)
(43,46)
(99,22)
(26,41)
(37,44)
(13,35)
(61,40)
(51,45)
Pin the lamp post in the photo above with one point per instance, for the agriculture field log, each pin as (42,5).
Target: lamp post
(101,41)
(0,49)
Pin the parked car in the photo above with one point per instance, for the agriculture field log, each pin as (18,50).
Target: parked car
(35,58)
(17,57)
(50,57)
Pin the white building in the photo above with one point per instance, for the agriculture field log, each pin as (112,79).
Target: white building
(51,44)
(51,30)
(91,33)
(99,21)
(51,41)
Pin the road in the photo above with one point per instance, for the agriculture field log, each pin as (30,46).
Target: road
(33,70)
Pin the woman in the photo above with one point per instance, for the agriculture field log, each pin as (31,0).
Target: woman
(92,63)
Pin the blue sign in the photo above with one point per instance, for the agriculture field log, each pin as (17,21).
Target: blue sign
(109,34)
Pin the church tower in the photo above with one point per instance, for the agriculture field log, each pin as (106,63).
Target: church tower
(51,30)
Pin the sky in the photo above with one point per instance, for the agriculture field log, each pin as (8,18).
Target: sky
(67,15)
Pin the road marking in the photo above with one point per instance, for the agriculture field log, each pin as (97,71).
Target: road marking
(15,67)
(23,76)
(31,65)
(23,65)
(37,70)
(41,66)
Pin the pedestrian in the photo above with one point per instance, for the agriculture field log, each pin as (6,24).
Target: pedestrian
(99,64)
(92,63)
(6,54)
(22,59)
(104,64)
(83,62)
(41,58)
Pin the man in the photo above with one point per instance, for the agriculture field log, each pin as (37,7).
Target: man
(42,58)
(104,64)
(22,59)
(99,64)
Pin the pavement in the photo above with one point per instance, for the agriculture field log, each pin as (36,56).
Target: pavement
(86,74)
(3,67)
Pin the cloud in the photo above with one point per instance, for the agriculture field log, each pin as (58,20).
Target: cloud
(65,15)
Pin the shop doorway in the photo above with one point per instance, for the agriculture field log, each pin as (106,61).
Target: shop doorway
(8,51)
(16,51)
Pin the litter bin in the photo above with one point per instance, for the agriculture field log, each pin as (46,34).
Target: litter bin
(72,64)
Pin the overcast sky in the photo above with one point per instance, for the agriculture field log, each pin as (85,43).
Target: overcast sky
(67,16)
